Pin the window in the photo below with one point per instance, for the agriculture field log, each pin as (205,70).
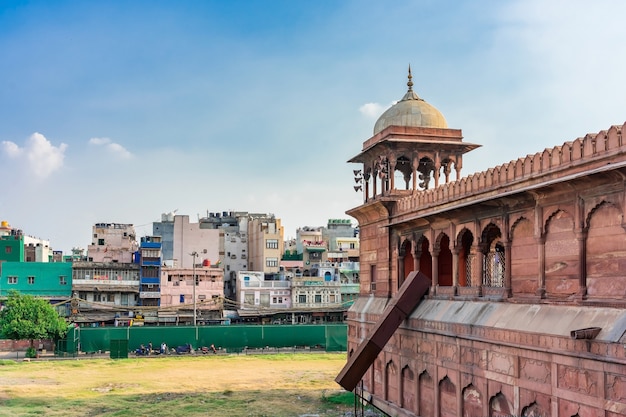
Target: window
(8,249)
(270,262)
(181,299)
(271,243)
(62,280)
(352,245)
(318,298)
(31,280)
(104,297)
(372,277)
(100,242)
(302,298)
(12,280)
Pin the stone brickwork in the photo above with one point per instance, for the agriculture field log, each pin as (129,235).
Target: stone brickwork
(520,256)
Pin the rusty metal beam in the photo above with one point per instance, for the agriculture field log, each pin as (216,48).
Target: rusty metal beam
(406,300)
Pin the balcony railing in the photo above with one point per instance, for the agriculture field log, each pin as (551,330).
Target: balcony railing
(149,294)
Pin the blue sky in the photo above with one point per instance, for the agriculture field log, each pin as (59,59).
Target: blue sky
(118,111)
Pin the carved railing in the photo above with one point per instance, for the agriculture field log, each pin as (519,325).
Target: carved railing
(592,147)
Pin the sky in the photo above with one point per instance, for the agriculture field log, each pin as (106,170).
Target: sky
(119,111)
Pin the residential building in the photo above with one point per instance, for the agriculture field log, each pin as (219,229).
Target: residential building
(180,238)
(234,238)
(112,242)
(37,250)
(150,271)
(177,294)
(499,293)
(259,297)
(103,291)
(265,244)
(11,244)
(49,280)
(311,244)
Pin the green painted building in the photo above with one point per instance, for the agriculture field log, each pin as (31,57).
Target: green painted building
(12,248)
(50,280)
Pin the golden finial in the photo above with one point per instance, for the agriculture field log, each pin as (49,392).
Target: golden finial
(410,83)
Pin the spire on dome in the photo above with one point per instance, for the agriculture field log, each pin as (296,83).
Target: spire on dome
(410,94)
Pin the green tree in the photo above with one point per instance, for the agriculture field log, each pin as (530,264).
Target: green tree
(25,317)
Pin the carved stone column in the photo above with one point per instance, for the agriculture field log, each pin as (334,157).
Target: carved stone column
(391,171)
(414,166)
(508,286)
(455,269)
(435,268)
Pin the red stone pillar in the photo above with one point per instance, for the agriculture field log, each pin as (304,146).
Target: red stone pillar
(581,237)
(455,268)
(541,253)
(435,270)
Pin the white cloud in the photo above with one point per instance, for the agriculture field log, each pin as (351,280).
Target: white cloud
(115,148)
(99,141)
(11,149)
(42,157)
(371,110)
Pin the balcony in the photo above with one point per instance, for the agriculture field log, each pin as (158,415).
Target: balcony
(150,245)
(105,285)
(313,282)
(314,245)
(150,294)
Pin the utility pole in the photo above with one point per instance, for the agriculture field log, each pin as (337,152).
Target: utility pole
(194,254)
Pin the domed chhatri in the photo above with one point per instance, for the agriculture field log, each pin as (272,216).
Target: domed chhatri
(411,111)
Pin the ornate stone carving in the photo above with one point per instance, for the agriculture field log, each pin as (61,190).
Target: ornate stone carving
(535,370)
(616,387)
(447,352)
(579,380)
(501,363)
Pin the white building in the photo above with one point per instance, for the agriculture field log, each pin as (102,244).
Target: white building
(255,293)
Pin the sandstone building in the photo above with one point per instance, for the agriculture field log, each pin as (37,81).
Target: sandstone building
(525,265)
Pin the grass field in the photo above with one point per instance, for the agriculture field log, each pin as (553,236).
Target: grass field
(192,386)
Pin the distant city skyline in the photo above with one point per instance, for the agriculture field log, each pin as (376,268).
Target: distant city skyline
(121,111)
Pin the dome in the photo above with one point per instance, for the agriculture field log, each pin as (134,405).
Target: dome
(410,111)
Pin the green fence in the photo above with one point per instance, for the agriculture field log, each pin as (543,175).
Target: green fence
(234,338)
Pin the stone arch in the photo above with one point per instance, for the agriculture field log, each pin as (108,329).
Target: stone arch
(408,389)
(494,256)
(403,166)
(562,263)
(426,395)
(605,252)
(444,260)
(524,262)
(534,410)
(391,382)
(500,406)
(406,260)
(377,377)
(425,168)
(465,240)
(472,404)
(447,397)
(423,254)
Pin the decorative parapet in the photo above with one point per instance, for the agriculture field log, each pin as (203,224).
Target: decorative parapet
(595,152)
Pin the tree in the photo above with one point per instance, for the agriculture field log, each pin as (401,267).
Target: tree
(25,317)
